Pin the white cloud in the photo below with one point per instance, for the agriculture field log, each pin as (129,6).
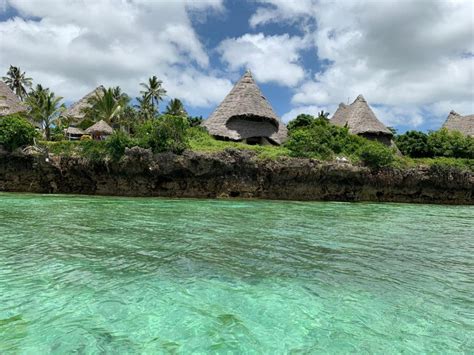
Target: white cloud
(73,46)
(410,57)
(280,10)
(270,58)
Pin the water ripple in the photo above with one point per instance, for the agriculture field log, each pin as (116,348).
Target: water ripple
(123,275)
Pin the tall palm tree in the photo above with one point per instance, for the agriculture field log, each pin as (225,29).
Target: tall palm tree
(45,108)
(144,108)
(176,108)
(107,105)
(154,92)
(17,81)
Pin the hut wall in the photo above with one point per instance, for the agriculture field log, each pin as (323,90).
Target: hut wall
(252,129)
(382,138)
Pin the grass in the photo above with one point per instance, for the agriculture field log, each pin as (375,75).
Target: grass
(201,141)
(456,163)
(92,150)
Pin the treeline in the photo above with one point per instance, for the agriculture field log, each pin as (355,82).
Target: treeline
(112,105)
(441,143)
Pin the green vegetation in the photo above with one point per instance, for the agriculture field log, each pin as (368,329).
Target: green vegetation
(175,131)
(89,149)
(375,155)
(17,81)
(166,134)
(107,105)
(201,141)
(16,132)
(45,108)
(152,95)
(176,108)
(442,143)
(117,143)
(316,138)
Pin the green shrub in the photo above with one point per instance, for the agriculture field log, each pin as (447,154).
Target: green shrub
(15,132)
(195,121)
(302,120)
(57,134)
(444,143)
(93,150)
(414,144)
(166,134)
(322,140)
(375,155)
(117,143)
(441,143)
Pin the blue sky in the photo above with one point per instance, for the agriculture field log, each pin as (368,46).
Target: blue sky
(412,60)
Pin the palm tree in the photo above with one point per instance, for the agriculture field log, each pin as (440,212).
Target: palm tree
(323,114)
(176,108)
(17,81)
(45,108)
(108,105)
(144,108)
(153,92)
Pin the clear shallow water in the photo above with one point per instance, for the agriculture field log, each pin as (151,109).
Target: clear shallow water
(124,275)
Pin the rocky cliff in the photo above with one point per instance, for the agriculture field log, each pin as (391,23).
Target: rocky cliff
(231,173)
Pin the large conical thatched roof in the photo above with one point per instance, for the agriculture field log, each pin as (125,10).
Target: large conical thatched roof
(360,118)
(100,127)
(9,102)
(246,113)
(76,110)
(463,124)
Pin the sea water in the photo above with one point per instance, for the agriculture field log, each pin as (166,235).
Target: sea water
(136,275)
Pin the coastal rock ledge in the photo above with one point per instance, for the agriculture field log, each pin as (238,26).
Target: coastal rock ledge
(229,174)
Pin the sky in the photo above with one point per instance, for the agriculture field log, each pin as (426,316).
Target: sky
(413,60)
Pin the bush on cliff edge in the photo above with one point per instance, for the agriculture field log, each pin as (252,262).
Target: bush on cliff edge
(166,134)
(376,155)
(16,132)
(117,143)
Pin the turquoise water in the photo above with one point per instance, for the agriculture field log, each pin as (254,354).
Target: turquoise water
(123,275)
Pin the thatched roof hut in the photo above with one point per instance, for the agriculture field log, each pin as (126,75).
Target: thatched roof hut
(73,133)
(73,130)
(9,102)
(99,130)
(457,122)
(246,115)
(76,110)
(361,120)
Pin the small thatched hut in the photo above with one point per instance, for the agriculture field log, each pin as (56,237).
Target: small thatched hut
(9,102)
(463,124)
(76,111)
(361,120)
(73,133)
(100,130)
(245,115)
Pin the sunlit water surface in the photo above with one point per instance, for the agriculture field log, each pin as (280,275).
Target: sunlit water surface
(125,275)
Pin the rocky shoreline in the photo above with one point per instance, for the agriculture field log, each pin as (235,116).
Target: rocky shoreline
(230,174)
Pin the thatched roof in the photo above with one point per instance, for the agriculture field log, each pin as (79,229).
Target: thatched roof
(246,113)
(359,117)
(74,130)
(100,127)
(463,124)
(76,110)
(9,102)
